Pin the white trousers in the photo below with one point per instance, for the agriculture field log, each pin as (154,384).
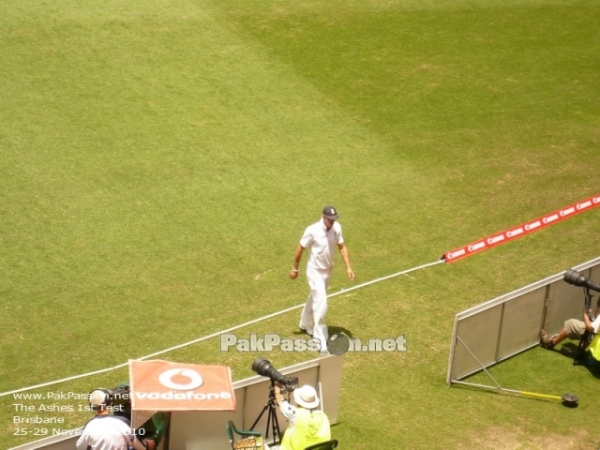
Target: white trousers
(313,313)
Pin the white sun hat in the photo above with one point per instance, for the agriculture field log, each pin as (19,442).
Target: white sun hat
(306,396)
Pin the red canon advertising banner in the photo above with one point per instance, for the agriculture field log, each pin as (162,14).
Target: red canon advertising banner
(521,230)
(168,386)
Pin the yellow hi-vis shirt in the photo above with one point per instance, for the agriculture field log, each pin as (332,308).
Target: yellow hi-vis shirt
(595,347)
(310,427)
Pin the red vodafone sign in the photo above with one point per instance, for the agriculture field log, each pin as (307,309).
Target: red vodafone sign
(168,386)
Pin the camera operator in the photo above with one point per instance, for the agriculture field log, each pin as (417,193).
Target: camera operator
(307,424)
(573,329)
(106,431)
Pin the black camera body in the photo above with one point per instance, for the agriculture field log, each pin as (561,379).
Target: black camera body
(264,368)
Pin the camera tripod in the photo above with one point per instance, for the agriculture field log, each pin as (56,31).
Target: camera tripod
(272,421)
(587,336)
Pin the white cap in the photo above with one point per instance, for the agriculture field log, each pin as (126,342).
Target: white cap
(98,397)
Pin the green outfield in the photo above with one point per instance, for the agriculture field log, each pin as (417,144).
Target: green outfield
(160,161)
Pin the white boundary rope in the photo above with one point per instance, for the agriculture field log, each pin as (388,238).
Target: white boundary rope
(218,333)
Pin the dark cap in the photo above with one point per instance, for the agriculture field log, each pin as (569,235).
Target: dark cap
(330,212)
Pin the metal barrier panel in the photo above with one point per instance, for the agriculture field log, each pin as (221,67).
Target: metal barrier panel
(480,334)
(521,323)
(510,324)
